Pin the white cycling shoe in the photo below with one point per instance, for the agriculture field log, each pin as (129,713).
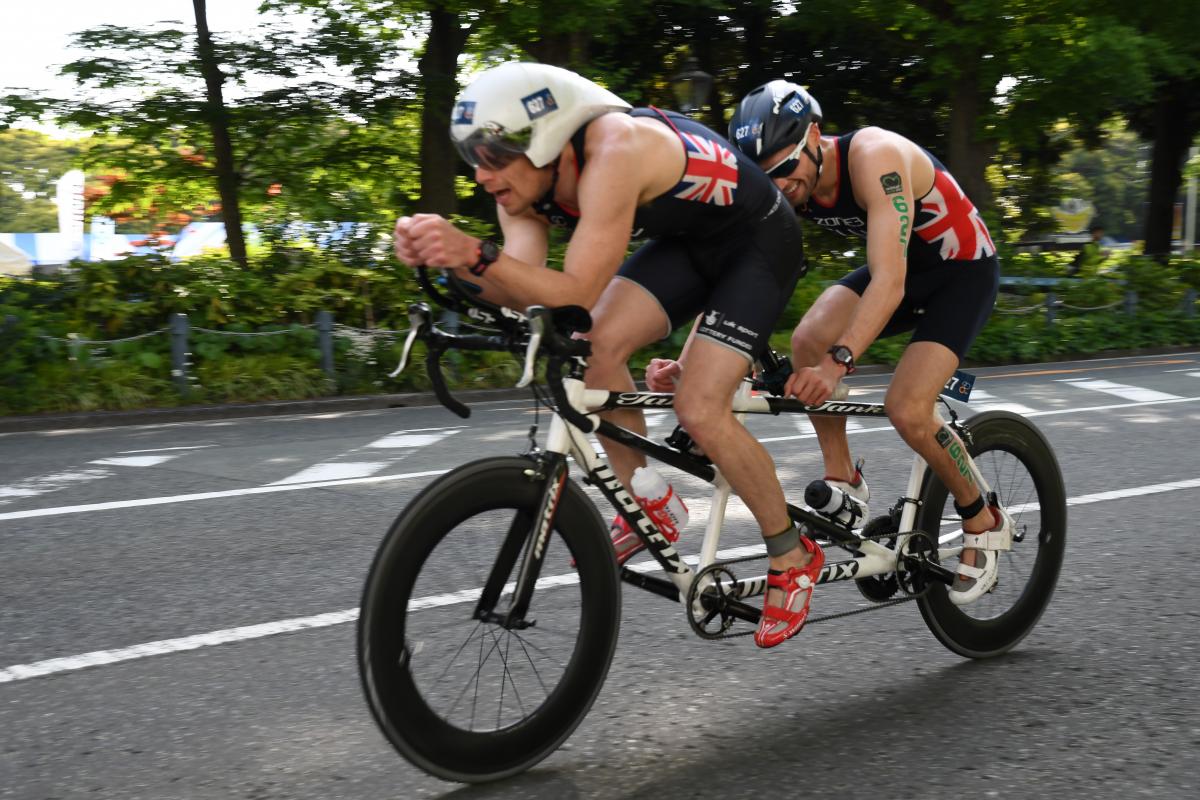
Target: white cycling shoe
(973,582)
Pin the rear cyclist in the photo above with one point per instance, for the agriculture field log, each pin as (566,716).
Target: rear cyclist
(931,269)
(553,148)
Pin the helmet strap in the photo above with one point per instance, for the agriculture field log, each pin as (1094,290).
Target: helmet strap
(818,159)
(547,203)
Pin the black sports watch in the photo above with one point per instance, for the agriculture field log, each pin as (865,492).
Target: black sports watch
(489,251)
(842,355)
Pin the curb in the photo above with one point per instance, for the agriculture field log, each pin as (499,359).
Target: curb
(319,405)
(200,413)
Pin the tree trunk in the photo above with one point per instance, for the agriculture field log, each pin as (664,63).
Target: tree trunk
(756,49)
(567,50)
(218,124)
(968,156)
(439,83)
(1175,123)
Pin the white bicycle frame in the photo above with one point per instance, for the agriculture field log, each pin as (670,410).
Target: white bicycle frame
(874,558)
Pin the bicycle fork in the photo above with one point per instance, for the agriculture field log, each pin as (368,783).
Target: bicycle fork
(530,535)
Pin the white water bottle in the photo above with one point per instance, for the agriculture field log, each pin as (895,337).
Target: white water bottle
(659,500)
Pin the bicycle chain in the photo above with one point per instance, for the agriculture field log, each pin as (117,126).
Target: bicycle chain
(828,617)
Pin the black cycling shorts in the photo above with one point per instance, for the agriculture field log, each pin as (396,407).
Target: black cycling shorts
(948,303)
(740,284)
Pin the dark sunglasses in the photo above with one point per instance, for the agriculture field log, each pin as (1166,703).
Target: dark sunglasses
(789,164)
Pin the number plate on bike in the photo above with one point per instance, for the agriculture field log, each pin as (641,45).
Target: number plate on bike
(959,386)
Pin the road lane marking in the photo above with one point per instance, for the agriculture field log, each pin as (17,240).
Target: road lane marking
(53,666)
(31,487)
(340,467)
(164,449)
(1126,391)
(135,461)
(187,498)
(334,471)
(991,402)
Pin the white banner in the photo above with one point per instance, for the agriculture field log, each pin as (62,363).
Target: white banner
(70,213)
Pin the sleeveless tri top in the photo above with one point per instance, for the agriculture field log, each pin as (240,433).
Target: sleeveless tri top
(721,189)
(946,224)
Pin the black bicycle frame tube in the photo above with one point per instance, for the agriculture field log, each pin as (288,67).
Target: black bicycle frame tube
(775,405)
(659,452)
(514,540)
(554,466)
(604,479)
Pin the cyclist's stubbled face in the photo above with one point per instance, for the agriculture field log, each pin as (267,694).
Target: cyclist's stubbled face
(794,172)
(515,186)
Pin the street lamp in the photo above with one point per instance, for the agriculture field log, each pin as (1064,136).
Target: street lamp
(692,86)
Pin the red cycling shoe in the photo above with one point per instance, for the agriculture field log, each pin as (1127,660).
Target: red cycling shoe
(781,622)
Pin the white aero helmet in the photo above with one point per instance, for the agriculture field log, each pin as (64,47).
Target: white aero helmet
(524,109)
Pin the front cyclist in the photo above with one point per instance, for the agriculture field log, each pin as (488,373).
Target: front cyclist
(931,268)
(554,148)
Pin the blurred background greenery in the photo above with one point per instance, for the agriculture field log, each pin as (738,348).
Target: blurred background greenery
(1028,104)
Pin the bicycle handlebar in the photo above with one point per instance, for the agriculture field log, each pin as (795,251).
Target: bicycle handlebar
(540,331)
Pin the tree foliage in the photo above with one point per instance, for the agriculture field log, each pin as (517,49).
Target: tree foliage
(353,125)
(30,163)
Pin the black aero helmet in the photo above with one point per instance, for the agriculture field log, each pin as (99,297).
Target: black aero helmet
(772,117)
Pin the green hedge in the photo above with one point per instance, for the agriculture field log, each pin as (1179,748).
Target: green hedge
(289,282)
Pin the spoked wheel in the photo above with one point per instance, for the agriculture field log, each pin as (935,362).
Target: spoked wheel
(471,699)
(1019,465)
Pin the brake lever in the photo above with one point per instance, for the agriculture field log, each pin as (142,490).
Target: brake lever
(418,318)
(537,328)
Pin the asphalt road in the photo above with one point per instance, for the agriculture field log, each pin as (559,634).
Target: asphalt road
(177,605)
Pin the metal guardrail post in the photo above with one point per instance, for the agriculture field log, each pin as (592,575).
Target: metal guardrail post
(325,333)
(1131,302)
(179,351)
(74,347)
(1189,303)
(1051,305)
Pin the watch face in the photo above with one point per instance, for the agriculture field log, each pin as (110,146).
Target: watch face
(489,251)
(841,354)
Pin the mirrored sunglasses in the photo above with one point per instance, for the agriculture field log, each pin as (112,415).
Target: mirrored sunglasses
(492,147)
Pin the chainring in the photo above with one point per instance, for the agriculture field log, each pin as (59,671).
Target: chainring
(718,576)
(883,587)
(919,550)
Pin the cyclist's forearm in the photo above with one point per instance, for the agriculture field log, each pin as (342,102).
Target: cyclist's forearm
(880,300)
(526,285)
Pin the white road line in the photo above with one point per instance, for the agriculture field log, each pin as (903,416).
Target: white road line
(993,402)
(806,427)
(341,467)
(1120,390)
(135,461)
(37,669)
(187,498)
(334,471)
(31,487)
(164,449)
